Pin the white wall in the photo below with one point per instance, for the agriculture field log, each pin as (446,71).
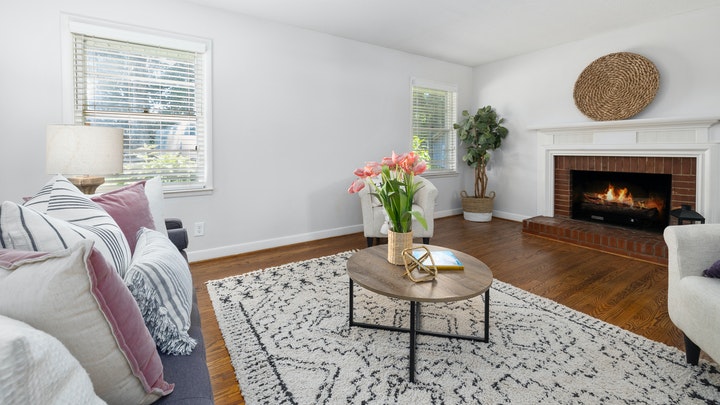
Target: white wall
(537,88)
(294,113)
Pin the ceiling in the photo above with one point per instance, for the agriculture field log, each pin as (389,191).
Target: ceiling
(467,32)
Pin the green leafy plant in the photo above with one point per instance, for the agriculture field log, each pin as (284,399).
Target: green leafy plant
(148,159)
(480,133)
(419,145)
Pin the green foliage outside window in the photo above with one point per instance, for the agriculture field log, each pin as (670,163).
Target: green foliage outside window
(420,147)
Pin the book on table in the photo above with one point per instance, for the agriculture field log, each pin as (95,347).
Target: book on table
(444,259)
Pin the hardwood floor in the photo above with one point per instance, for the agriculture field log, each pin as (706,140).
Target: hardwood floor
(625,292)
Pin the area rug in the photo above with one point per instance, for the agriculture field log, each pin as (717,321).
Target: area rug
(287,332)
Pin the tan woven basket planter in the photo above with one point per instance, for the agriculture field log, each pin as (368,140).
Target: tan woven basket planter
(616,86)
(397,242)
(477,209)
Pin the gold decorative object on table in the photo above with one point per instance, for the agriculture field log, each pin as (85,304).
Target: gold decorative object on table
(616,86)
(414,267)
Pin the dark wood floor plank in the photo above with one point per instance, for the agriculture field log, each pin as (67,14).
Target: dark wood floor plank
(625,292)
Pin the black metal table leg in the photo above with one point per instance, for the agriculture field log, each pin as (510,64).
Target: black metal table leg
(418,317)
(487,316)
(413,336)
(351,303)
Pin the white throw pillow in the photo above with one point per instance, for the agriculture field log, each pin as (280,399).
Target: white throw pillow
(154,194)
(35,368)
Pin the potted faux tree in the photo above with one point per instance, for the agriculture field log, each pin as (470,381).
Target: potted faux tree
(480,133)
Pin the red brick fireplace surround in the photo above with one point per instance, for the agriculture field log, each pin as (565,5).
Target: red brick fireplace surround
(682,169)
(681,148)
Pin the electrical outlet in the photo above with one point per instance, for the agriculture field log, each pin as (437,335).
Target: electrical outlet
(199,229)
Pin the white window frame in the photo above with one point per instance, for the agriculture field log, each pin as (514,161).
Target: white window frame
(72,24)
(451,137)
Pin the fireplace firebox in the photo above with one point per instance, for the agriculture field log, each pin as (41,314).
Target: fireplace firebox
(633,200)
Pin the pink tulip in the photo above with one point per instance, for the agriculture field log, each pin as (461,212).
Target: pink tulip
(373,168)
(420,168)
(356,186)
(408,162)
(398,159)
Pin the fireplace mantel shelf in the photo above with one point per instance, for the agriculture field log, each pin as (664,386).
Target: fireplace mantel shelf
(629,125)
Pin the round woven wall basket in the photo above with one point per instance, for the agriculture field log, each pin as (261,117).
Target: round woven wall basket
(616,86)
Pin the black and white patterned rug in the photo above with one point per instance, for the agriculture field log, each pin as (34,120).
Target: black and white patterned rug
(287,332)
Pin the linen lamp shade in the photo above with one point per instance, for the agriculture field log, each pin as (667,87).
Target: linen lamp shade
(86,151)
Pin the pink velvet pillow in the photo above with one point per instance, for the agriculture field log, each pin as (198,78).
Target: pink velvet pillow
(79,299)
(129,207)
(8,257)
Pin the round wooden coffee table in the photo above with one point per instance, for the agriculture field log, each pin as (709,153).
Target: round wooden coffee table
(370,269)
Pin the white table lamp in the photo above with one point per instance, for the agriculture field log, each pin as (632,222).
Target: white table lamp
(84,153)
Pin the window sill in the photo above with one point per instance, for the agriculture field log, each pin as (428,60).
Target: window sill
(187,192)
(438,174)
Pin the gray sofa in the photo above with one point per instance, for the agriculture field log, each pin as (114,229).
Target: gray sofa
(188,373)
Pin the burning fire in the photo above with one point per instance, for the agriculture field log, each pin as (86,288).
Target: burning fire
(621,196)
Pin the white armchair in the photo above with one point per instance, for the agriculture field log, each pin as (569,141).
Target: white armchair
(694,300)
(374,213)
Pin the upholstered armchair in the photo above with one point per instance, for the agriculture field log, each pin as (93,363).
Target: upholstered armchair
(374,213)
(694,300)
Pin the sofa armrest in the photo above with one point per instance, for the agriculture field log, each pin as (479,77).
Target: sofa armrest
(176,233)
(173,223)
(691,248)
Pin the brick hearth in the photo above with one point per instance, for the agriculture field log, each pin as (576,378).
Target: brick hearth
(648,246)
(637,244)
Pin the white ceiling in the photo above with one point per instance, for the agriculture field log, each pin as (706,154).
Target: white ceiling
(467,32)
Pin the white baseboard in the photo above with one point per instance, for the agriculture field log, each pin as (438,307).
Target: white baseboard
(510,216)
(231,250)
(448,213)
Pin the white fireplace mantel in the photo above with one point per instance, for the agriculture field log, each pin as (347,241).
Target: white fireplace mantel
(664,137)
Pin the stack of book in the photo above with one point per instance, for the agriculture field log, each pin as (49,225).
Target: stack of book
(444,259)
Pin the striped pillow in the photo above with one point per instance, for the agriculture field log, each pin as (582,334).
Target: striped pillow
(39,202)
(56,218)
(160,281)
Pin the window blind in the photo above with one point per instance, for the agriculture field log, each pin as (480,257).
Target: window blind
(156,95)
(434,113)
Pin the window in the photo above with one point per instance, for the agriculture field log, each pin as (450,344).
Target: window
(434,111)
(156,93)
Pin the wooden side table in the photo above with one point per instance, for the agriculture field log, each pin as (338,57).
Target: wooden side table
(370,269)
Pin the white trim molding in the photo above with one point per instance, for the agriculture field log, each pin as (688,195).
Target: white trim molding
(671,137)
